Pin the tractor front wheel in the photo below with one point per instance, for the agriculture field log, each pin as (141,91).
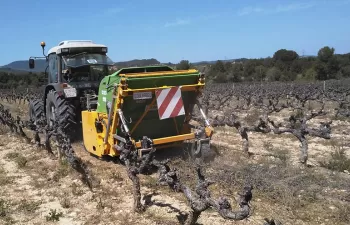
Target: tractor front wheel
(57,108)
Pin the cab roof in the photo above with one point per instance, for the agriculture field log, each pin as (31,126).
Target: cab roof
(74,44)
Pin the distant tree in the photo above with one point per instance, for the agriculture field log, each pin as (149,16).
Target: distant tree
(296,66)
(321,70)
(268,62)
(219,66)
(327,65)
(287,76)
(310,74)
(249,68)
(325,54)
(281,65)
(285,55)
(260,73)
(237,72)
(346,71)
(273,74)
(183,65)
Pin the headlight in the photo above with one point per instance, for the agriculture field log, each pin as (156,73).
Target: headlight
(65,50)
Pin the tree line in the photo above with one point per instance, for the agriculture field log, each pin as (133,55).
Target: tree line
(285,65)
(15,79)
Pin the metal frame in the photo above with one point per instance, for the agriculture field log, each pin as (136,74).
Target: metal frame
(121,90)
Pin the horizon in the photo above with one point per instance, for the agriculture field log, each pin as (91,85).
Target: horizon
(231,30)
(20,60)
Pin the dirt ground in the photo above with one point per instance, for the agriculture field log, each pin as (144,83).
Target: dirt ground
(37,189)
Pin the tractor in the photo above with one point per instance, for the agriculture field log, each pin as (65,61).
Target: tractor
(135,105)
(75,69)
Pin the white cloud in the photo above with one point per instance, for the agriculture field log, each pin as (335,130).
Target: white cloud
(178,22)
(249,10)
(275,9)
(293,7)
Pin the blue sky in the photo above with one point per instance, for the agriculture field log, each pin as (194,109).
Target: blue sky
(173,30)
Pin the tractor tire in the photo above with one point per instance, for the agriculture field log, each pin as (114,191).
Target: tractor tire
(57,108)
(36,111)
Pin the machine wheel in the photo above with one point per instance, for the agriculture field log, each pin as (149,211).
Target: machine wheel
(58,107)
(36,110)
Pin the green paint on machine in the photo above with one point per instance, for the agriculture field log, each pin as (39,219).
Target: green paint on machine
(133,108)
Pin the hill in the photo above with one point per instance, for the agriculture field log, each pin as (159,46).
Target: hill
(22,65)
(40,65)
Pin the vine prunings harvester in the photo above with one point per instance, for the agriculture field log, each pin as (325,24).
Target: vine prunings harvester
(131,105)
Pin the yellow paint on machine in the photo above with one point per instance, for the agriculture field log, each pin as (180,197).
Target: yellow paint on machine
(93,141)
(162,73)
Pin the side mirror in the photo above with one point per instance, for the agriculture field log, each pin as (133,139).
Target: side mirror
(31,63)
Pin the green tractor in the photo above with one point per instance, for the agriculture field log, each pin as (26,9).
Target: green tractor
(75,69)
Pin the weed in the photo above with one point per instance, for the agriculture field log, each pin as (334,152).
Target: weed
(76,190)
(116,175)
(299,113)
(28,206)
(63,170)
(20,160)
(3,130)
(4,213)
(3,208)
(54,215)
(4,180)
(65,202)
(338,162)
(12,155)
(100,204)
(343,214)
(281,154)
(267,146)
(150,182)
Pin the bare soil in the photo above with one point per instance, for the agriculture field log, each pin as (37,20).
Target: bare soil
(33,184)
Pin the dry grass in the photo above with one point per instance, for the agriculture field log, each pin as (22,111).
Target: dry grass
(5,217)
(338,161)
(4,178)
(28,206)
(19,159)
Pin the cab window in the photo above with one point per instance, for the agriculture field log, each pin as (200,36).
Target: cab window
(53,68)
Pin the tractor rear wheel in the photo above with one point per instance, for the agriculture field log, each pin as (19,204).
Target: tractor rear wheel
(36,110)
(58,108)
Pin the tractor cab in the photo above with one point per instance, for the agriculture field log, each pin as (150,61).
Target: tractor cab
(76,61)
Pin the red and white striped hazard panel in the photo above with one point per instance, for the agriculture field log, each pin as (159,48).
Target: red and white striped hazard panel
(169,102)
